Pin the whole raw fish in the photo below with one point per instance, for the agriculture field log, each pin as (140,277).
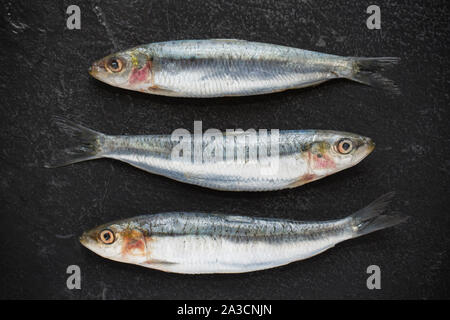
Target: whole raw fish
(212,243)
(292,159)
(228,67)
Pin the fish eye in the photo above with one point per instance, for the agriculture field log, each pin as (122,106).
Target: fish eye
(114,65)
(345,146)
(107,236)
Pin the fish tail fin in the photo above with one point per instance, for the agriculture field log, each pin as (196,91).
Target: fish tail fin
(366,71)
(370,218)
(83,144)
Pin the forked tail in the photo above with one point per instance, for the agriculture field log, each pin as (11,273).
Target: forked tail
(370,218)
(83,144)
(366,71)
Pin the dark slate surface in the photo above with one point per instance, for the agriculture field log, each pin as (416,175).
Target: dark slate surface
(43,211)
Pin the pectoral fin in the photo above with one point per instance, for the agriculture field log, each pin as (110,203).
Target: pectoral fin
(153,262)
(161,90)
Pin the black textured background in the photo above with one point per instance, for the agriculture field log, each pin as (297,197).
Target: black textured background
(43,211)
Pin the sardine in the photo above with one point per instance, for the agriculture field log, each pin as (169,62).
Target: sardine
(228,67)
(196,243)
(293,159)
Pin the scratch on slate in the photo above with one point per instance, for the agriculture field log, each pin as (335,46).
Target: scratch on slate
(18,26)
(102,20)
(104,293)
(60,236)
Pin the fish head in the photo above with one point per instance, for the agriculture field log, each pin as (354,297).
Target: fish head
(328,152)
(122,241)
(129,69)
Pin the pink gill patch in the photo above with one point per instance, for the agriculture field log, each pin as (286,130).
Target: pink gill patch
(139,75)
(324,162)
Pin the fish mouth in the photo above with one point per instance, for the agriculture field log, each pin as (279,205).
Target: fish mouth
(363,151)
(96,68)
(86,240)
(83,239)
(370,145)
